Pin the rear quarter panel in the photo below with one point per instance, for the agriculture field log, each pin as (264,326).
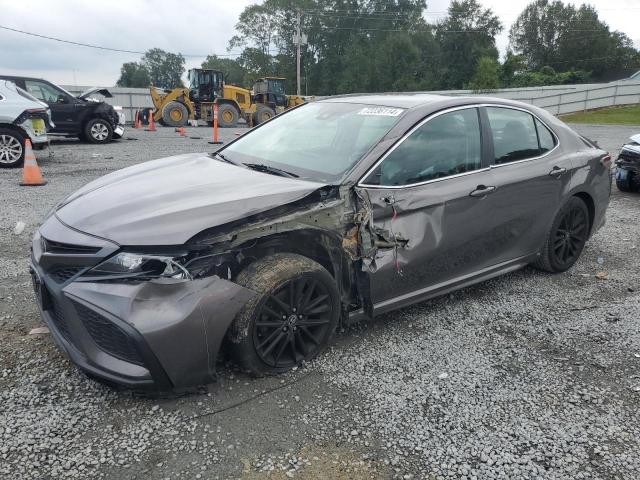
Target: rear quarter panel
(589,175)
(593,177)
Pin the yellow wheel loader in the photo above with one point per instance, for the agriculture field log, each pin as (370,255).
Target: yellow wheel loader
(270,99)
(174,108)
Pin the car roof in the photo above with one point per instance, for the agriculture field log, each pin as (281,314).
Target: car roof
(399,100)
(20,77)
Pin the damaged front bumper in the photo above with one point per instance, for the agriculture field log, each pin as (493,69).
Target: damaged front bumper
(158,334)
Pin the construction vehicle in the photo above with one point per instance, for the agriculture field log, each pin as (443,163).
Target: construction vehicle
(269,92)
(174,108)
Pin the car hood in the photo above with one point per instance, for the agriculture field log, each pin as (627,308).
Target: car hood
(102,91)
(168,201)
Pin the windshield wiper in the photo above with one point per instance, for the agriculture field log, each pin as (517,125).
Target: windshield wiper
(260,167)
(222,157)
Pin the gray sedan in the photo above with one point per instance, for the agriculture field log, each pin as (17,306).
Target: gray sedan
(335,211)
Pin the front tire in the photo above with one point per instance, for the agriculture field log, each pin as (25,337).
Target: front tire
(624,180)
(263,113)
(227,116)
(565,241)
(175,114)
(11,148)
(292,318)
(98,130)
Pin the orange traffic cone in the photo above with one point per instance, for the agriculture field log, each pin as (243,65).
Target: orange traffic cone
(31,176)
(152,123)
(136,123)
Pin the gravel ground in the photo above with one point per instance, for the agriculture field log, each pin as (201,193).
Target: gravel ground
(526,376)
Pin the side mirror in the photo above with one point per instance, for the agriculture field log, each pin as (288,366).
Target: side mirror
(62,99)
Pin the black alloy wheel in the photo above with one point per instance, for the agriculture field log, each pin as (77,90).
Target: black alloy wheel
(293,322)
(567,237)
(290,319)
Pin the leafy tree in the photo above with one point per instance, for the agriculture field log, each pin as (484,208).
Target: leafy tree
(548,76)
(133,75)
(466,35)
(569,38)
(165,69)
(256,64)
(536,34)
(233,70)
(257,25)
(486,76)
(513,64)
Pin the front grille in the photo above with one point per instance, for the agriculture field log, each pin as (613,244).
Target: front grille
(57,315)
(66,248)
(62,274)
(108,336)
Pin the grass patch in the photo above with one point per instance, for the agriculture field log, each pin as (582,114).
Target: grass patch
(629,115)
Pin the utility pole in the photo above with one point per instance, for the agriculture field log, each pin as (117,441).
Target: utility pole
(298,41)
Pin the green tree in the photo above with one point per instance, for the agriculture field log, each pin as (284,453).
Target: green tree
(466,35)
(513,65)
(133,75)
(233,70)
(165,69)
(486,76)
(569,38)
(536,34)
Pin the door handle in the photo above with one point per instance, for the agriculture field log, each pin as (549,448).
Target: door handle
(482,190)
(557,171)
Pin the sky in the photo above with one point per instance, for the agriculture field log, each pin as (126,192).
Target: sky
(190,27)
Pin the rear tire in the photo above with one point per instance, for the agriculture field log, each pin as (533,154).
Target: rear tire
(11,148)
(263,113)
(227,116)
(98,130)
(175,114)
(566,239)
(292,318)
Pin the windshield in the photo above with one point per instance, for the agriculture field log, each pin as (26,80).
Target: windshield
(317,141)
(276,86)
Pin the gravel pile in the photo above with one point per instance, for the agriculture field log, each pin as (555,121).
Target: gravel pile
(526,376)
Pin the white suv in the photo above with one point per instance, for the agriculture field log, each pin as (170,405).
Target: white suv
(22,116)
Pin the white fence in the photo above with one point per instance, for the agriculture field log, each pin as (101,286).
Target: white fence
(557,99)
(561,99)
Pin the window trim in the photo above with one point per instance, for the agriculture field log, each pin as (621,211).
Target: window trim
(408,133)
(553,134)
(483,119)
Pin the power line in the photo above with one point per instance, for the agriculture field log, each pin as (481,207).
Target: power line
(428,12)
(99,47)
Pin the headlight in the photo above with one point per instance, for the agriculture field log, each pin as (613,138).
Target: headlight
(126,264)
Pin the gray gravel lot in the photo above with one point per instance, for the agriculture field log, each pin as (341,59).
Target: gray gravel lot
(526,376)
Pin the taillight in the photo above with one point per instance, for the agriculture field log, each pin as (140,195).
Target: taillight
(37,110)
(606,161)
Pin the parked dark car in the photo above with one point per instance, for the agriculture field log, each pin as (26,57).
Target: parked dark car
(334,211)
(82,116)
(628,166)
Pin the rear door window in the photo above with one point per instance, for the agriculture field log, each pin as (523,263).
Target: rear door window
(515,136)
(446,145)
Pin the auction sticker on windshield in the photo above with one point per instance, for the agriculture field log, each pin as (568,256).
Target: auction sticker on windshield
(380,111)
